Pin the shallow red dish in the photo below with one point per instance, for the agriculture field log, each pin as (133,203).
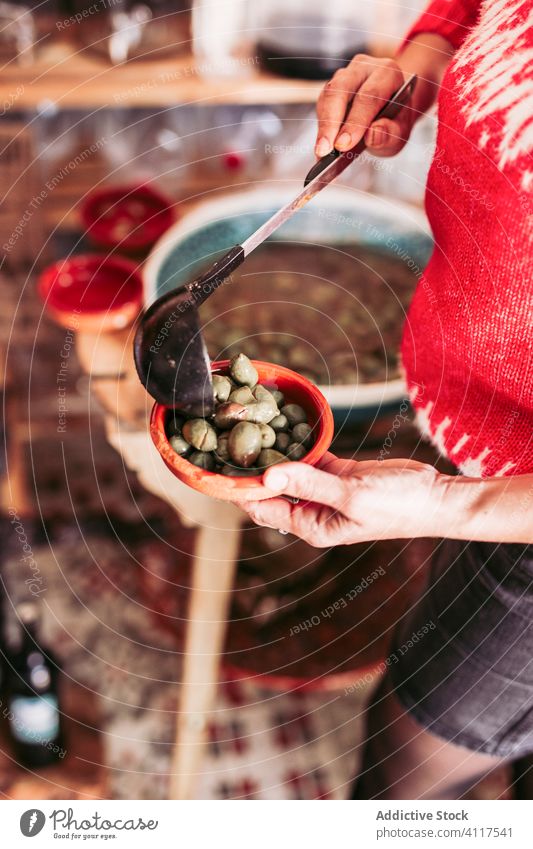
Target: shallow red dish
(297,389)
(131,218)
(92,292)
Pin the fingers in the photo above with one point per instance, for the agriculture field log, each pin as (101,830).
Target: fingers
(273,513)
(308,484)
(370,98)
(386,137)
(333,103)
(317,525)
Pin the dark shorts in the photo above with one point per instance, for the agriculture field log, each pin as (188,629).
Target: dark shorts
(464,667)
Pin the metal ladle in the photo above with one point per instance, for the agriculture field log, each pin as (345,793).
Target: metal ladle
(170,354)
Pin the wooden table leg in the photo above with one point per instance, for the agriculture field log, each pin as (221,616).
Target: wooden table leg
(212,585)
(106,357)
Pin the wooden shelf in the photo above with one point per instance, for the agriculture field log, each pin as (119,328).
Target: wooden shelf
(73,78)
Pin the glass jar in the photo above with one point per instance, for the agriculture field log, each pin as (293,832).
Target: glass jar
(126,29)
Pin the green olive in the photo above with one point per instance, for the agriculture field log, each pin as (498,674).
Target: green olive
(200,434)
(228,414)
(242,371)
(296,451)
(270,457)
(268,436)
(282,442)
(221,387)
(294,414)
(261,393)
(303,434)
(242,395)
(262,412)
(222,449)
(202,459)
(179,444)
(244,443)
(279,397)
(279,423)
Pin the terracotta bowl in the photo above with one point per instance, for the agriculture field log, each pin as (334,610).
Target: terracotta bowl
(297,390)
(92,292)
(131,218)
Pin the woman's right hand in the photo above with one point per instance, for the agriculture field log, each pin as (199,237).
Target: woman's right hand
(350,101)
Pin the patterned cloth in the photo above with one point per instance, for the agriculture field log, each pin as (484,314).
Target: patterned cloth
(467,347)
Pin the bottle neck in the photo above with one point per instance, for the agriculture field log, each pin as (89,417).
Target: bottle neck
(29,638)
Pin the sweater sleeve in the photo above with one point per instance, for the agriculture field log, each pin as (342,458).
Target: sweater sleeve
(452,19)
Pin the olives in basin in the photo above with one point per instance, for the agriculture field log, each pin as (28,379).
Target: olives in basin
(200,434)
(244,444)
(242,371)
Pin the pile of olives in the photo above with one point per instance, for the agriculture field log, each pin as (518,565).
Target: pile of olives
(251,428)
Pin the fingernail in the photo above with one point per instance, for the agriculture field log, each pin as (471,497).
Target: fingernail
(276,480)
(377,137)
(323,147)
(344,142)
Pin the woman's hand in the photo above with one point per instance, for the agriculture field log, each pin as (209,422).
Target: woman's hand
(343,501)
(366,83)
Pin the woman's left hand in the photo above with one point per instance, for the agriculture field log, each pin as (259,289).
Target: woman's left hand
(343,501)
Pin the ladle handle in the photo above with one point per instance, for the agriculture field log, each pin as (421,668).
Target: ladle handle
(391,108)
(205,285)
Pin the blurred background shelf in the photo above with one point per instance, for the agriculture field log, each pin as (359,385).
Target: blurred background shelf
(75,79)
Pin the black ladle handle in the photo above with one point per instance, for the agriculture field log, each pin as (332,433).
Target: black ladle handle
(205,285)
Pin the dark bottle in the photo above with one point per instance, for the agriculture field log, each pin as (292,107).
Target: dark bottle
(33,714)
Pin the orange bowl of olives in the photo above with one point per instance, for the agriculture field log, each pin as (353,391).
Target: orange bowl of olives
(264,414)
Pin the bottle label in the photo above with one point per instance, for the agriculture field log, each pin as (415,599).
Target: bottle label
(34,719)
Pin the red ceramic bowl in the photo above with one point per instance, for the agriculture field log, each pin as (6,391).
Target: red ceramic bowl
(92,292)
(297,390)
(131,218)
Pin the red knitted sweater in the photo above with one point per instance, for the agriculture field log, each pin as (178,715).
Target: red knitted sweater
(468,342)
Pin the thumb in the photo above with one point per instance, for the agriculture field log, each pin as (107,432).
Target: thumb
(387,137)
(310,484)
